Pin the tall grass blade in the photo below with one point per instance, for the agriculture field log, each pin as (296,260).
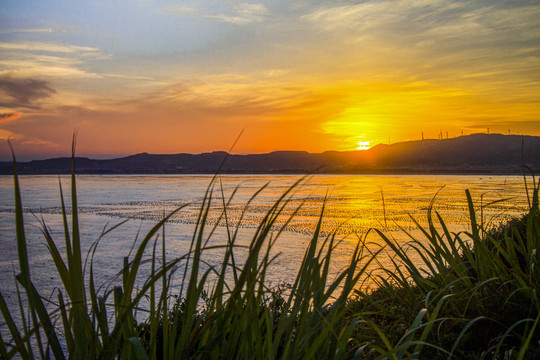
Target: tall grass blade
(15,334)
(528,339)
(37,304)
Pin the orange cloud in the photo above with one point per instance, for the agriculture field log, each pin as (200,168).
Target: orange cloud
(10,116)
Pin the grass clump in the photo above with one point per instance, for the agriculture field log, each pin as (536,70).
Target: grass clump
(471,295)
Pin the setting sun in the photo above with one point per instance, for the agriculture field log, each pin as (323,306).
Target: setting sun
(363,145)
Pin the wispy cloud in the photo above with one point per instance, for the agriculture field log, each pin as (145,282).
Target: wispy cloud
(25,93)
(443,41)
(36,30)
(436,20)
(41,66)
(10,116)
(244,14)
(22,142)
(238,14)
(409,16)
(46,47)
(47,59)
(182,9)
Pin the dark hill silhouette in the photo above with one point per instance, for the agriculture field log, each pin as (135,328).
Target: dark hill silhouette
(477,153)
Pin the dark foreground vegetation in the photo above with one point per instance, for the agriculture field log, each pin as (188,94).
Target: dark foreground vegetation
(471,295)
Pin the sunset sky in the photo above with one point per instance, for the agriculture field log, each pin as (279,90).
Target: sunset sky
(189,76)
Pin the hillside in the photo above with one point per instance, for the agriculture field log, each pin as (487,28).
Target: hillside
(477,153)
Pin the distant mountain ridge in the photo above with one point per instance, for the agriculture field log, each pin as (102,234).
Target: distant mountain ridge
(476,153)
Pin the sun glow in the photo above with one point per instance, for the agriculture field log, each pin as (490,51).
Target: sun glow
(363,145)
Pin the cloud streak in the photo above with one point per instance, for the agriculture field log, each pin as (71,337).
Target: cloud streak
(10,116)
(35,30)
(23,93)
(47,59)
(47,47)
(239,14)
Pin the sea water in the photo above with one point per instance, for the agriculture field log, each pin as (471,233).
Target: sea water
(352,206)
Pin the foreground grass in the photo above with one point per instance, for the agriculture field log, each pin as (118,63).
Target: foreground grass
(474,295)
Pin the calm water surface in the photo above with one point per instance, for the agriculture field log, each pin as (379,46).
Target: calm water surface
(353,204)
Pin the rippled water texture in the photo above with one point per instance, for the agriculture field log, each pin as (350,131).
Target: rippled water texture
(353,204)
